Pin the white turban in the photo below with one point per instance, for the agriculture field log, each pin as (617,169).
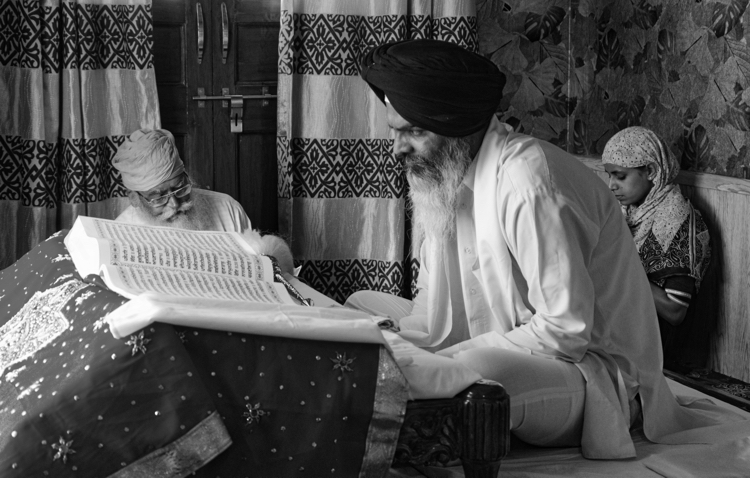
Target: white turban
(148,158)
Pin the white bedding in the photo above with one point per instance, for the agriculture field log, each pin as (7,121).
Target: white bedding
(727,457)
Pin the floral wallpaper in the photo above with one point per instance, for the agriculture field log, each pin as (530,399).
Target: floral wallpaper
(577,71)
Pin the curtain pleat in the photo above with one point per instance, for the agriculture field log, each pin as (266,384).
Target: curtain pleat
(341,190)
(75,78)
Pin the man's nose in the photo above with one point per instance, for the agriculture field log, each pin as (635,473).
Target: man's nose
(173,201)
(401,146)
(612,185)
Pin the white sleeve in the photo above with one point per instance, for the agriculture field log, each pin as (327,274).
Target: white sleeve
(552,242)
(240,219)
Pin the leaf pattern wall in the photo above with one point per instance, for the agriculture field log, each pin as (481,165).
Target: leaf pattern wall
(578,71)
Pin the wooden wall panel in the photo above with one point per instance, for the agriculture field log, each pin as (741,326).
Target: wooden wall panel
(727,213)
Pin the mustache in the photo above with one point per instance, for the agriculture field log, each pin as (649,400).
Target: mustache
(421,166)
(170,212)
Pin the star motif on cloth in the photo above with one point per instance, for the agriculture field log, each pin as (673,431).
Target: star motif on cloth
(182,336)
(342,363)
(100,322)
(138,342)
(253,413)
(63,449)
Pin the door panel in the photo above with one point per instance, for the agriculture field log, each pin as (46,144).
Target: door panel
(243,164)
(178,77)
(246,161)
(257,55)
(258,179)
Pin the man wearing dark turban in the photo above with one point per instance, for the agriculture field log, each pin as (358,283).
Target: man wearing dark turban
(435,85)
(528,273)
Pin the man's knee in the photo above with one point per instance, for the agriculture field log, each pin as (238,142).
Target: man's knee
(380,304)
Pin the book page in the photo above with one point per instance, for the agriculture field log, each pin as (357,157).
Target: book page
(204,251)
(132,280)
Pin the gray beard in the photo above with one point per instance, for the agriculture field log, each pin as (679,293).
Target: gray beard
(191,215)
(435,182)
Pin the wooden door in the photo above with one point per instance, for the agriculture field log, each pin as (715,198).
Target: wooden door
(178,77)
(239,57)
(245,162)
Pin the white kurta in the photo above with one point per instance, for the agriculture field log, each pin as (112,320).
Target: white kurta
(225,213)
(544,263)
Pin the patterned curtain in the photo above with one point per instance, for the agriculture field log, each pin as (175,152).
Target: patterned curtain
(75,78)
(341,190)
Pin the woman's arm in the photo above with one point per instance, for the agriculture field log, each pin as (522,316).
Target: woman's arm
(669,310)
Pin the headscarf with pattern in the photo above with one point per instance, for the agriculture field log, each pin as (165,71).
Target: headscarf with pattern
(665,208)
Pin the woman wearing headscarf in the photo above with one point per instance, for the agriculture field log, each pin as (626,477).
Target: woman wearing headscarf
(670,234)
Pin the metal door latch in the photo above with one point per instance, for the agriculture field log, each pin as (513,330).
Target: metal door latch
(235,114)
(235,102)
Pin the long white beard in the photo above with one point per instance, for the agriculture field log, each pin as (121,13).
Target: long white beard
(435,182)
(192,215)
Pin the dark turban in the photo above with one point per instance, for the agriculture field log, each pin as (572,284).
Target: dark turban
(435,85)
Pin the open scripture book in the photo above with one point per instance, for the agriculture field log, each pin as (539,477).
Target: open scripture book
(134,259)
(216,280)
(205,279)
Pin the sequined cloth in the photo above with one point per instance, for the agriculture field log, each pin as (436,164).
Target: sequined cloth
(168,402)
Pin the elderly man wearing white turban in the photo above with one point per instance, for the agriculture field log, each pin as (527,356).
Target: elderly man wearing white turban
(161,192)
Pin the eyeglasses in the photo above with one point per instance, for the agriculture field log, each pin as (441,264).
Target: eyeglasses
(162,200)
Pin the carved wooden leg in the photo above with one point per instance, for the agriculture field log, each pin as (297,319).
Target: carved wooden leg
(473,427)
(429,435)
(485,429)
